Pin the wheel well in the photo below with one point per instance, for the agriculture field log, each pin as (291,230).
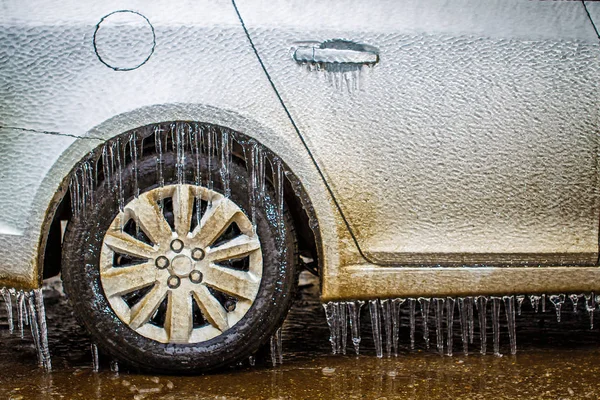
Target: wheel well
(296,199)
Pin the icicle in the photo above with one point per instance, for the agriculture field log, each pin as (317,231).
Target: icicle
(425,314)
(543,302)
(252,361)
(133,154)
(396,303)
(464,324)
(276,348)
(386,311)
(354,311)
(331,314)
(120,191)
(496,324)
(160,162)
(114,366)
(209,136)
(21,312)
(558,301)
(575,300)
(534,300)
(411,310)
(590,305)
(9,311)
(520,300)
(39,330)
(471,319)
(343,327)
(482,312)
(376,325)
(449,324)
(254,156)
(180,152)
(226,161)
(196,146)
(439,318)
(509,307)
(95,358)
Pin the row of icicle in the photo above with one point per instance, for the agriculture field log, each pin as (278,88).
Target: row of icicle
(385,319)
(30,311)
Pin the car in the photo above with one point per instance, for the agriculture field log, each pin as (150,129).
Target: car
(179,163)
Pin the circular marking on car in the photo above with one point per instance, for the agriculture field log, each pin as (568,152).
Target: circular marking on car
(155,291)
(124,40)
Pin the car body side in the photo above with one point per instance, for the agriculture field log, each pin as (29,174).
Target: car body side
(59,102)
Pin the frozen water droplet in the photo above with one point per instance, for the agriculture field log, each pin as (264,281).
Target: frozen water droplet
(424,302)
(575,301)
(396,303)
(354,311)
(331,314)
(411,311)
(276,347)
(439,318)
(543,302)
(9,309)
(95,358)
(534,300)
(590,305)
(463,314)
(482,313)
(386,311)
(449,324)
(376,326)
(496,324)
(558,301)
(509,307)
(520,300)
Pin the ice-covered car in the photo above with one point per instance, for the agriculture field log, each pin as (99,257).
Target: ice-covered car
(180,162)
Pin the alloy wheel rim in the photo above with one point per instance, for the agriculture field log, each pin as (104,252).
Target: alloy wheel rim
(181,277)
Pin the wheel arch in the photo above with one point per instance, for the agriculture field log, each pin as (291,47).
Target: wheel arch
(46,260)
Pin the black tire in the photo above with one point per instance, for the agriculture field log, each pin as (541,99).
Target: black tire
(81,277)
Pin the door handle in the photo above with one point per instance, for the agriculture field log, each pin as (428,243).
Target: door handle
(335,55)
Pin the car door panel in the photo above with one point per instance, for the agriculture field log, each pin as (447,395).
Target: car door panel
(472,140)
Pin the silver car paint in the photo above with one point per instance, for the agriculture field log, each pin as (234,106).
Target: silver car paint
(475,138)
(52,82)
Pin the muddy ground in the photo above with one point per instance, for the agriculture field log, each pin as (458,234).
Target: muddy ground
(554,361)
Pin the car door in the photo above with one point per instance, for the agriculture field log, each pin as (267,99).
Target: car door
(450,132)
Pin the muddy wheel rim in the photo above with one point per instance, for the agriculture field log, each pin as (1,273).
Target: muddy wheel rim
(173,274)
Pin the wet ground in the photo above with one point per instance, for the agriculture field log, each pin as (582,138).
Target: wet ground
(554,361)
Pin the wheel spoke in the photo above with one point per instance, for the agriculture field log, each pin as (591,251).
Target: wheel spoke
(123,243)
(179,321)
(212,310)
(236,248)
(235,283)
(151,220)
(214,222)
(122,280)
(183,206)
(143,311)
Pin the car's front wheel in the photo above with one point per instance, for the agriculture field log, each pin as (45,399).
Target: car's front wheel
(178,278)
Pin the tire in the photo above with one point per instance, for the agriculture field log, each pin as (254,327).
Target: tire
(85,284)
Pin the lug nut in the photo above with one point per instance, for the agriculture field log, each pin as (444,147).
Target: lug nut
(198,254)
(176,245)
(230,305)
(173,282)
(161,262)
(196,276)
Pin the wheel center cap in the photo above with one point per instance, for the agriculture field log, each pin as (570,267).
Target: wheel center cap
(182,265)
